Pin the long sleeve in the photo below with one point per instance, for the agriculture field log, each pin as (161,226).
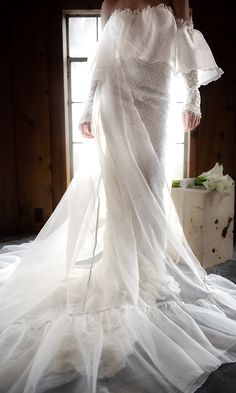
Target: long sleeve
(192,99)
(189,93)
(88,105)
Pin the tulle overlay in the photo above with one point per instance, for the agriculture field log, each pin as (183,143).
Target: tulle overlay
(109,297)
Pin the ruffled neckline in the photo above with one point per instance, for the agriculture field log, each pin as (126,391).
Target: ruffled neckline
(144,9)
(140,11)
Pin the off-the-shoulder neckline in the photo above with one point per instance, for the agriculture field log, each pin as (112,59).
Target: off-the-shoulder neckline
(148,7)
(140,11)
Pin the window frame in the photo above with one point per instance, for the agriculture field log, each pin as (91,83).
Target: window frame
(68,62)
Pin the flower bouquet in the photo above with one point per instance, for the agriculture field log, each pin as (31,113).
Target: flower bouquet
(211,180)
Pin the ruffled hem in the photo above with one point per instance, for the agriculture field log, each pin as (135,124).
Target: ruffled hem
(183,342)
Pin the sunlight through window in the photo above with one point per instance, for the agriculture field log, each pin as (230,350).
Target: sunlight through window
(83,33)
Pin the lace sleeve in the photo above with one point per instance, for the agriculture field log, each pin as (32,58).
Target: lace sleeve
(193,98)
(192,52)
(88,105)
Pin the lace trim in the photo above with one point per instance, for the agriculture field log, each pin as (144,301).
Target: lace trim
(193,99)
(142,10)
(192,110)
(88,105)
(180,22)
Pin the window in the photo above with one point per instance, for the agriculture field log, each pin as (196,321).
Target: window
(83,31)
(179,166)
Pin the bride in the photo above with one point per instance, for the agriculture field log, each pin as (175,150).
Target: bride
(109,297)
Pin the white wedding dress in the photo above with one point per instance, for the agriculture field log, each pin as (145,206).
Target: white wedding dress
(109,297)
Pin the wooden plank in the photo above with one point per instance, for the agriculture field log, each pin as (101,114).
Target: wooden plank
(60,148)
(8,189)
(192,155)
(31,116)
(216,133)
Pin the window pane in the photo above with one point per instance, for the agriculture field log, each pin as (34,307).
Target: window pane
(77,155)
(82,36)
(99,27)
(178,170)
(76,114)
(85,159)
(79,81)
(178,92)
(178,121)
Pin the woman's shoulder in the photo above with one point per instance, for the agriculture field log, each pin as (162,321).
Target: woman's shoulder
(109,5)
(107,8)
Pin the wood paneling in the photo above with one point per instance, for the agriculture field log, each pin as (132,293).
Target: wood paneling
(8,190)
(31,114)
(216,133)
(34,148)
(214,141)
(27,117)
(58,132)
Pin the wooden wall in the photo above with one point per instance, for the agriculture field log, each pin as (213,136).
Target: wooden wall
(8,176)
(34,165)
(25,170)
(215,137)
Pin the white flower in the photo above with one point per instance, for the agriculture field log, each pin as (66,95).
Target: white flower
(216,171)
(215,180)
(210,183)
(225,184)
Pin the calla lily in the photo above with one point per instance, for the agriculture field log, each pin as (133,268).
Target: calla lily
(215,180)
(211,180)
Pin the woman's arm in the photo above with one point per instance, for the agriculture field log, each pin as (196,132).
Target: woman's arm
(192,112)
(85,122)
(181,9)
(85,119)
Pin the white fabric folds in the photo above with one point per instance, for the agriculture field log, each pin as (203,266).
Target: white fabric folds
(109,297)
(153,36)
